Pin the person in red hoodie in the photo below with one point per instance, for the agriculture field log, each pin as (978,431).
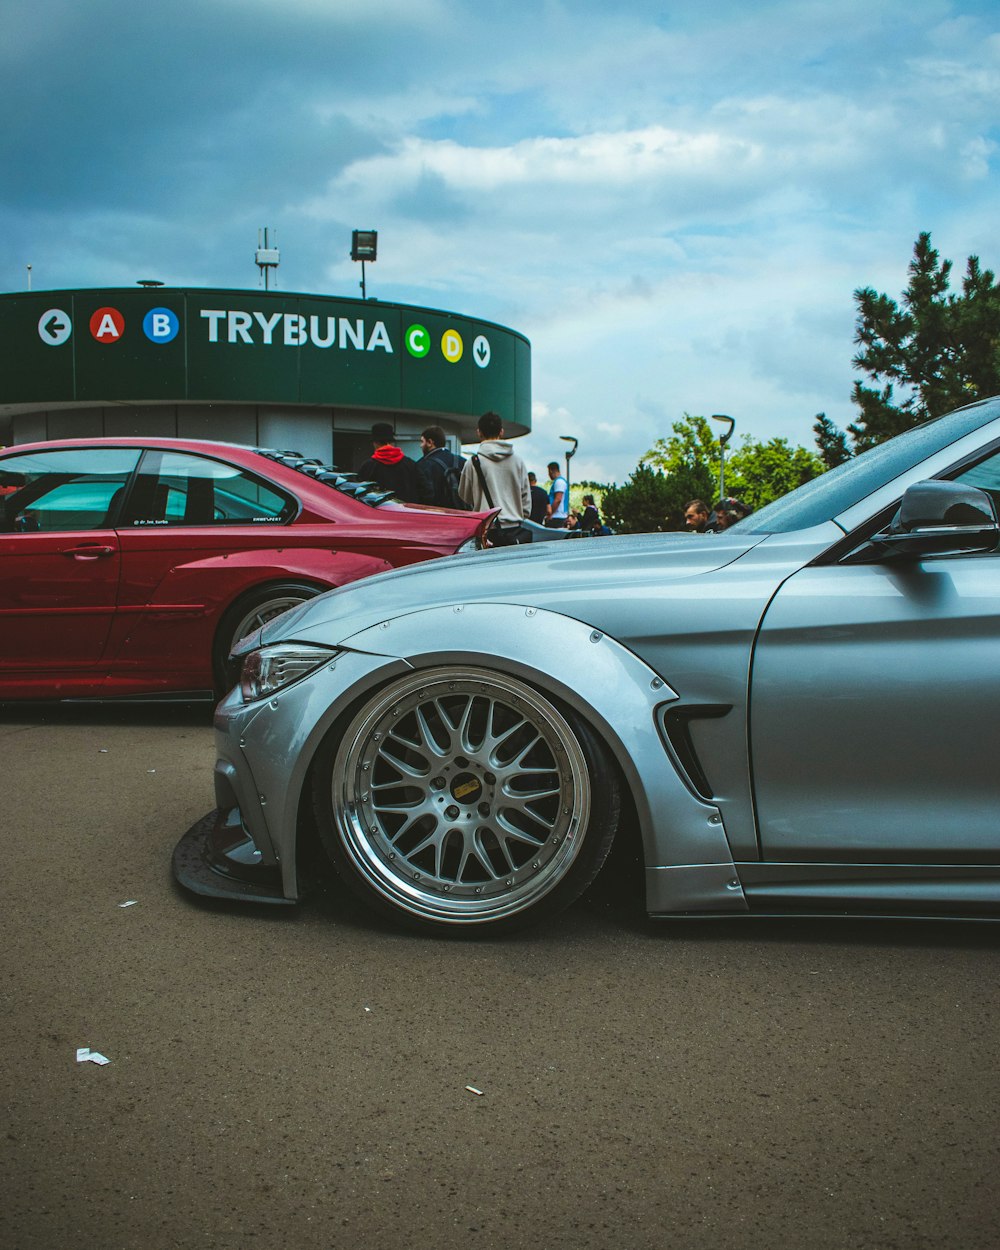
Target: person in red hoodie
(388,466)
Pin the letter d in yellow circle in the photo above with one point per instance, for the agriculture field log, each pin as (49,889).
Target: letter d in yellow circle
(452,346)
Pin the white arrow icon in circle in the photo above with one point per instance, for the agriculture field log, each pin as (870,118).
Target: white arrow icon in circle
(54,327)
(481,351)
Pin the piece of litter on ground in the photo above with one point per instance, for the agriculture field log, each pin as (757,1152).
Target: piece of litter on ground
(131,903)
(85,1055)
(150,770)
(368,1009)
(102,750)
(472,1090)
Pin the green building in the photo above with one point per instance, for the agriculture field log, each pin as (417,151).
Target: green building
(305,372)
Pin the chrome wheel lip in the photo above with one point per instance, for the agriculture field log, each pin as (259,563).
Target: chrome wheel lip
(480,806)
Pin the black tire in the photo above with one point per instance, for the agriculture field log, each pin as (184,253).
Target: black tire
(247,613)
(463,800)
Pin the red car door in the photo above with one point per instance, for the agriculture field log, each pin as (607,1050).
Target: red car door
(57,598)
(59,556)
(191,538)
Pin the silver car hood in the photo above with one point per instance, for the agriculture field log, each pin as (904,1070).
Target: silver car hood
(582,578)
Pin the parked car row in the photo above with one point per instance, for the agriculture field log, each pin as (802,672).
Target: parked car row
(796,715)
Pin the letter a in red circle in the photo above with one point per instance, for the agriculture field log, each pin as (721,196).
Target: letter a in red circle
(107,325)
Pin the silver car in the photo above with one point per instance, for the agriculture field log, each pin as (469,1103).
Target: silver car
(800,714)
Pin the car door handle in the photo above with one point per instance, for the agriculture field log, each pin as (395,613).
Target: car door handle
(89,553)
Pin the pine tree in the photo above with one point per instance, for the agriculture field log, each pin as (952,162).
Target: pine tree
(940,350)
(832,443)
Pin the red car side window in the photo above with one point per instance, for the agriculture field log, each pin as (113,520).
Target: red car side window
(177,488)
(63,491)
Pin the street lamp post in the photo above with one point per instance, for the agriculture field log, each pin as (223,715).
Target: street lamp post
(723,440)
(571,452)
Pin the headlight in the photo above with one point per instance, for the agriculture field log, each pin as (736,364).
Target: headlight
(273,668)
(471,544)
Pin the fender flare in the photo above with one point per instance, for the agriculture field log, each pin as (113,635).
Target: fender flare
(604,682)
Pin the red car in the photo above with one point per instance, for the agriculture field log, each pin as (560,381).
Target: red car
(131,566)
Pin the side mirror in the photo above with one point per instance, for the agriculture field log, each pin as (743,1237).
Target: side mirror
(936,518)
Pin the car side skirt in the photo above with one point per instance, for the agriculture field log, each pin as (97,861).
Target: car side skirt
(886,889)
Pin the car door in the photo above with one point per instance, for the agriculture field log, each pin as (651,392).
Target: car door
(875,710)
(59,555)
(188,520)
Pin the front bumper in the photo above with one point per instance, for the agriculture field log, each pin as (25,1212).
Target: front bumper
(246,849)
(217,858)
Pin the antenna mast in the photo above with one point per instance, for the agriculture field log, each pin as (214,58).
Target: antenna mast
(267,258)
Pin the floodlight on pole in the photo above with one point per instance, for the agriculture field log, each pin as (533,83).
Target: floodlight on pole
(364,247)
(723,440)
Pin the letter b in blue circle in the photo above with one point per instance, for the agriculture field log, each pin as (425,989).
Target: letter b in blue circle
(160,325)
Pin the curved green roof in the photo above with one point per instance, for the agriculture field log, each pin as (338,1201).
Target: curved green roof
(166,344)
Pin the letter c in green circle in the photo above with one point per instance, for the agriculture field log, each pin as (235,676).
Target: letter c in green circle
(418,341)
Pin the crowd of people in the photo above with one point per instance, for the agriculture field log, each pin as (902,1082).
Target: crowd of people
(494,476)
(727,511)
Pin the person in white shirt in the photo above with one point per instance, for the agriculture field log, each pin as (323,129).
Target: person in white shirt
(558,499)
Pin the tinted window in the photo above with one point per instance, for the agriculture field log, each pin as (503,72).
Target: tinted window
(179,489)
(985,476)
(841,488)
(78,489)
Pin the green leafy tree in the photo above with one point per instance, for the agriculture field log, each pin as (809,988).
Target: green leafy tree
(760,472)
(647,503)
(685,466)
(691,454)
(939,350)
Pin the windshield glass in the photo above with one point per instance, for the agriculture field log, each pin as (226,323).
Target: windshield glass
(838,489)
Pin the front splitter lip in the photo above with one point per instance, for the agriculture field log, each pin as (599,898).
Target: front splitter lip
(217,859)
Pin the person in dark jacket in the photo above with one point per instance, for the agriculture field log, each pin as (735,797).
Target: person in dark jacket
(539,500)
(727,512)
(389,466)
(591,519)
(696,516)
(440,470)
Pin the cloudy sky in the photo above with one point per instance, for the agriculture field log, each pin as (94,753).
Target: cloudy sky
(674,202)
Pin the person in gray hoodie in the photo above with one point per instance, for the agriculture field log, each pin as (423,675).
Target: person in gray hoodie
(496,477)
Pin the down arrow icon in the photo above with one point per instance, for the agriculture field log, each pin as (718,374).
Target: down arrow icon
(481,351)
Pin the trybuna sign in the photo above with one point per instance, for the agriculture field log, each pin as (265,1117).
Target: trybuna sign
(259,347)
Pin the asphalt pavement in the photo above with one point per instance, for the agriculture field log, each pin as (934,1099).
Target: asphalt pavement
(311,1077)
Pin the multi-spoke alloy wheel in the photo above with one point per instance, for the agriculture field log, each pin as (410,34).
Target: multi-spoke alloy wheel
(465,797)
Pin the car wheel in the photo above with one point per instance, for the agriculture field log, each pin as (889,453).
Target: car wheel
(462,799)
(250,612)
